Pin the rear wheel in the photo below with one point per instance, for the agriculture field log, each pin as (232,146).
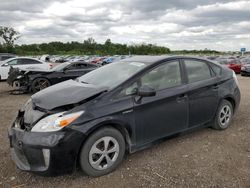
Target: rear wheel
(223,116)
(102,152)
(39,84)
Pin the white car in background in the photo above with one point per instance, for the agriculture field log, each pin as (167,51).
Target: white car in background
(23,63)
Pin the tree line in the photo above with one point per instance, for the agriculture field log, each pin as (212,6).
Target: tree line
(8,37)
(90,47)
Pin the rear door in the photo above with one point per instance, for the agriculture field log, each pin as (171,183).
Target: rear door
(202,91)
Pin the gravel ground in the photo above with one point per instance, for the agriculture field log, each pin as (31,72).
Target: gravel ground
(205,158)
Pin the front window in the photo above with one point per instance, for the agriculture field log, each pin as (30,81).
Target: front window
(162,77)
(13,62)
(113,74)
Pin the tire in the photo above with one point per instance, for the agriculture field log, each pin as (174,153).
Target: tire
(223,116)
(94,157)
(39,84)
(16,84)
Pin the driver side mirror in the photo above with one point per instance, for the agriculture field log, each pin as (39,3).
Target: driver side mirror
(146,91)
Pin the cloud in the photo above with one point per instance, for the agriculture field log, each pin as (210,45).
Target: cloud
(195,24)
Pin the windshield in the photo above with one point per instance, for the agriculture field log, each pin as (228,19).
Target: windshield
(60,67)
(113,74)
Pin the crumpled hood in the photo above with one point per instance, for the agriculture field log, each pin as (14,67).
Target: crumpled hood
(65,93)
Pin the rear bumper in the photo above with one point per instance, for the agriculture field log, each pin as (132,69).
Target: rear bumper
(47,154)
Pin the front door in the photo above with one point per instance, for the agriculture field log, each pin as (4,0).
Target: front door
(165,113)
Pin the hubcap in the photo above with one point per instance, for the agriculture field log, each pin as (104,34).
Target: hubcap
(225,115)
(104,153)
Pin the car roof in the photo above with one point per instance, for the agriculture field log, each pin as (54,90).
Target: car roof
(24,58)
(152,59)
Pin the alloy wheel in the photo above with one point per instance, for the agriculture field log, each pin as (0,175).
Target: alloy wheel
(225,115)
(41,84)
(103,153)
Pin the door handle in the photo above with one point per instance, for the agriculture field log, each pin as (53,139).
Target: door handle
(181,98)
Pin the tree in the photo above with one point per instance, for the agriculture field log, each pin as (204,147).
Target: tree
(9,35)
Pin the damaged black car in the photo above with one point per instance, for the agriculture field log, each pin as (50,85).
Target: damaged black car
(34,80)
(92,121)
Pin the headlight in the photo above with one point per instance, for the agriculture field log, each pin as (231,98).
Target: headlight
(20,76)
(55,122)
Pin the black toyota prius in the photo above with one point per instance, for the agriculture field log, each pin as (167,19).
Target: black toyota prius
(91,122)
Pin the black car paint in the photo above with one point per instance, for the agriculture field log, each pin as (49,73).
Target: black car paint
(54,77)
(142,122)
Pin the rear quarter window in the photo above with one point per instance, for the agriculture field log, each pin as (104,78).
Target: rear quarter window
(216,69)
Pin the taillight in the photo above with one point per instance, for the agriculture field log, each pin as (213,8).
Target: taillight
(235,79)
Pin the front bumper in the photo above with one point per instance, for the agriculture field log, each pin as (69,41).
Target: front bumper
(47,154)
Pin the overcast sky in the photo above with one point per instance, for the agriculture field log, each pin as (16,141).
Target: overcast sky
(188,24)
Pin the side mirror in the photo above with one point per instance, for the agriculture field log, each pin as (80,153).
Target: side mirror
(65,70)
(5,65)
(146,91)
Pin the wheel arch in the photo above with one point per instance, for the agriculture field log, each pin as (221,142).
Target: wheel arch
(231,100)
(36,78)
(118,125)
(121,127)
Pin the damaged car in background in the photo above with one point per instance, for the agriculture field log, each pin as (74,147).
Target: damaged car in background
(123,107)
(34,80)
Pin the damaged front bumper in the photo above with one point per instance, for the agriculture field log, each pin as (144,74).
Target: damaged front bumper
(18,80)
(47,154)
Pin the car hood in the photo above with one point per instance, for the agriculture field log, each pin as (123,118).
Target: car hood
(65,93)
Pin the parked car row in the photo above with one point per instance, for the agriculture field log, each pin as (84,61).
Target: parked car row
(239,64)
(102,60)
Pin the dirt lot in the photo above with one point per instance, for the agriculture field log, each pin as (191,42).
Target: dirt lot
(205,158)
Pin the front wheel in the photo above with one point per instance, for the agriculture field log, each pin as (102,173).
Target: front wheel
(102,152)
(39,84)
(223,116)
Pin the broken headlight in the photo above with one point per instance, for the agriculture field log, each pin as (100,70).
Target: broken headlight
(55,122)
